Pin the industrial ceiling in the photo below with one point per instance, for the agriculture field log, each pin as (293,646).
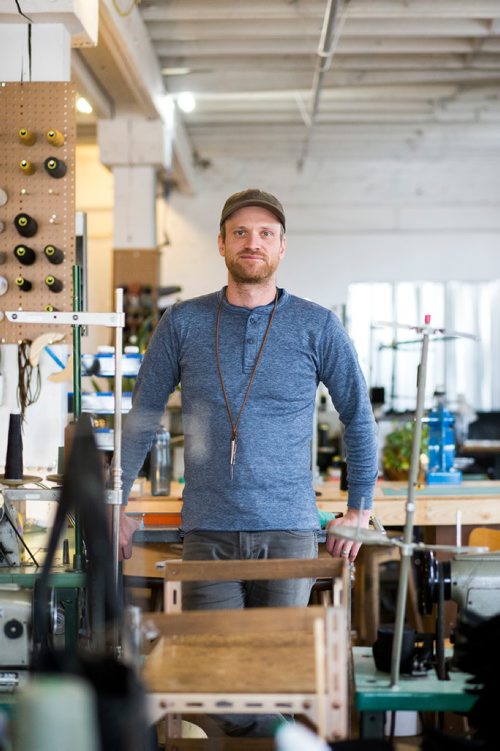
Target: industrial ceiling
(314,79)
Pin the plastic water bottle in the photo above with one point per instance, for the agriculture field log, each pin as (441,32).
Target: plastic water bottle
(160,463)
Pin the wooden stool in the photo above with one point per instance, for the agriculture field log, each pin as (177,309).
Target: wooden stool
(256,660)
(366,600)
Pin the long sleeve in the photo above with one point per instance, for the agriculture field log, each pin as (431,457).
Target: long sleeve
(158,377)
(341,374)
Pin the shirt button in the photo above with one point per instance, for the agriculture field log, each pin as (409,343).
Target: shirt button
(251,320)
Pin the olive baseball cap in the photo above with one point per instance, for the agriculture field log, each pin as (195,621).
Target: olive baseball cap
(253,197)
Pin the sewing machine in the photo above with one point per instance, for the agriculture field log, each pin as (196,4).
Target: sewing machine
(470,580)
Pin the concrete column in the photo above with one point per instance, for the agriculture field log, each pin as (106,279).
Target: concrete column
(55,26)
(50,53)
(135,149)
(134,224)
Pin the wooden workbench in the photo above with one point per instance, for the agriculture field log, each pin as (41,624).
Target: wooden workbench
(436,506)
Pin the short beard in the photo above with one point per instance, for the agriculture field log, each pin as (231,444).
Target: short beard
(244,276)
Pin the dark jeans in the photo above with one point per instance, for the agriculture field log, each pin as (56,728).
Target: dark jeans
(203,546)
(223,546)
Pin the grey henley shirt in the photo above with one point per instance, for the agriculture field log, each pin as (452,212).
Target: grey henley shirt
(271,486)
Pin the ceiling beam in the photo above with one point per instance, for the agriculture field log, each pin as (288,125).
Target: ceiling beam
(254,47)
(186,31)
(265,10)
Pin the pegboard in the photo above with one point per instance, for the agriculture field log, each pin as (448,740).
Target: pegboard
(38,108)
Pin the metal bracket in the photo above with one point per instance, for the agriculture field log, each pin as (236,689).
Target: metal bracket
(73,318)
(31,494)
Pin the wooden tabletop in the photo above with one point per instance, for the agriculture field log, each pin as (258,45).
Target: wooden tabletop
(479,502)
(218,656)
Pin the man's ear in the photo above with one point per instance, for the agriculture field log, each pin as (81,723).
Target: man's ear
(220,243)
(283,246)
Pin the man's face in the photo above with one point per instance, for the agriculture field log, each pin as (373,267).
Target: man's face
(253,246)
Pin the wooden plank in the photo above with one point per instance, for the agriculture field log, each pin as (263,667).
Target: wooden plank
(229,622)
(227,663)
(278,568)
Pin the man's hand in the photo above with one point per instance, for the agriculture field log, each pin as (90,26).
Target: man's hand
(128,525)
(337,546)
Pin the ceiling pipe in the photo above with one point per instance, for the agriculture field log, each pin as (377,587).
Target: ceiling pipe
(333,21)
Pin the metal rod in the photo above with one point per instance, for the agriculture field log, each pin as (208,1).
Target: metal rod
(77,398)
(77,334)
(406,549)
(326,49)
(117,455)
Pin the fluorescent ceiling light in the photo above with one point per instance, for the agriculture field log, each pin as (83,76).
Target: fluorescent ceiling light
(175,71)
(83,106)
(186,101)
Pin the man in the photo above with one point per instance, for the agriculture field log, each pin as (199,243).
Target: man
(249,359)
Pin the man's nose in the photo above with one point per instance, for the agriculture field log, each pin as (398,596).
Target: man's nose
(253,239)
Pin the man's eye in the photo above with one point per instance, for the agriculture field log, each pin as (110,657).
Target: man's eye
(239,232)
(267,233)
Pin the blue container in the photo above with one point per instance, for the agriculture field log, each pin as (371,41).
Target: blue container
(442,448)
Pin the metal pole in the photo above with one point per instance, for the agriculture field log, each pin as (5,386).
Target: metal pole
(77,396)
(406,550)
(117,456)
(326,49)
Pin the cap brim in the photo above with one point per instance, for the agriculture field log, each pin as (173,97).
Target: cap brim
(254,202)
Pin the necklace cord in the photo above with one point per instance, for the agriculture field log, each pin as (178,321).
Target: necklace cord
(234,425)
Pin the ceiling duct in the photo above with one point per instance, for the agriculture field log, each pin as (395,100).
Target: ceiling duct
(333,21)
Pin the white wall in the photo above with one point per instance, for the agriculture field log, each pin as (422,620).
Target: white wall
(347,221)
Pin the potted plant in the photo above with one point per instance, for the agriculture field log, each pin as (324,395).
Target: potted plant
(396,454)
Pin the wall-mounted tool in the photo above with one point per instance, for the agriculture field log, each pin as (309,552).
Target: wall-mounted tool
(26,136)
(41,343)
(24,255)
(4,285)
(27,167)
(26,225)
(53,255)
(55,167)
(54,284)
(55,137)
(24,284)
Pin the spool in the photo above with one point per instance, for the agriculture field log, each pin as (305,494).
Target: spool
(26,136)
(56,712)
(14,456)
(26,167)
(55,167)
(4,285)
(54,284)
(24,255)
(26,225)
(4,196)
(55,137)
(50,308)
(24,284)
(54,255)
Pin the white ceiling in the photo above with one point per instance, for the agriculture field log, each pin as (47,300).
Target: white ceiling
(402,76)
